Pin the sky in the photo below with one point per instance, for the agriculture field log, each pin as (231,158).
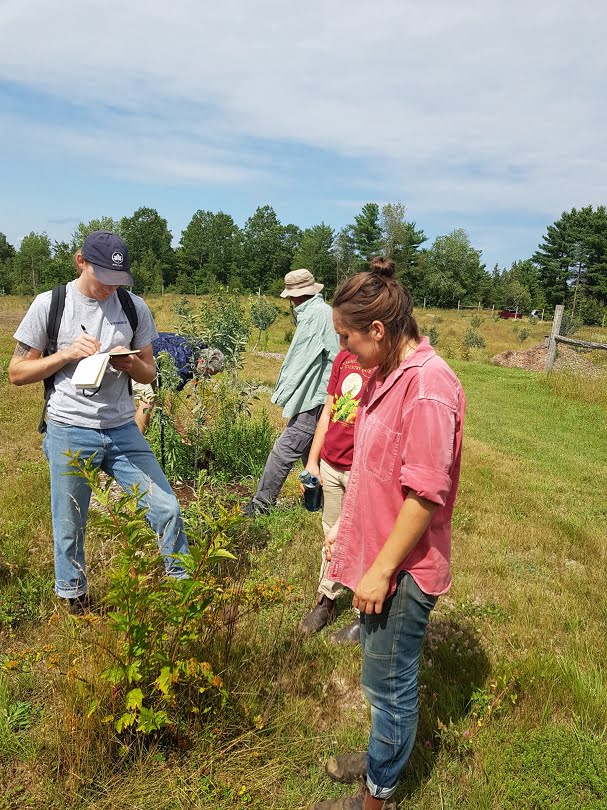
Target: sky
(489,116)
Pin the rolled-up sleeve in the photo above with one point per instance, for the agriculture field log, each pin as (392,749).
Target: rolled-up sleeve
(427,456)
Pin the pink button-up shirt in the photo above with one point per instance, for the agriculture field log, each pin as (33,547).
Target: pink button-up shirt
(408,436)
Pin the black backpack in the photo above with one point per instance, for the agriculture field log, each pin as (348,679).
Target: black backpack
(52,331)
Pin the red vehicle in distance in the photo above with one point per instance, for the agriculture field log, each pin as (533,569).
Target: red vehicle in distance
(510,313)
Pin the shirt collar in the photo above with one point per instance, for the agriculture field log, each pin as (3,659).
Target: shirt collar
(423,352)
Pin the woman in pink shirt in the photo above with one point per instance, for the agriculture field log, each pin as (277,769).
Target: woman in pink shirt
(392,543)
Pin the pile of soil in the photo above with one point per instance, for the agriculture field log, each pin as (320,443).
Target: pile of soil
(534,359)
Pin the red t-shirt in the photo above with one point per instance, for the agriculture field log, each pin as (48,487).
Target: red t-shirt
(346,385)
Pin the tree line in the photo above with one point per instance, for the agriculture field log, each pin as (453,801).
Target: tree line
(569,266)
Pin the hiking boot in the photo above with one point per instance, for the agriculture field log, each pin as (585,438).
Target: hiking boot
(322,614)
(356,802)
(347,635)
(79,605)
(347,768)
(253,508)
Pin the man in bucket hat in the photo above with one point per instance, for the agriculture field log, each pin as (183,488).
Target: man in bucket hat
(96,422)
(301,387)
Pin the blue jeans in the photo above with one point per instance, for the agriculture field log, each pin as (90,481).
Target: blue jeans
(392,643)
(125,455)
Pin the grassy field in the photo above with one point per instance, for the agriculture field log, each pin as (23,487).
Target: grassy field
(513,683)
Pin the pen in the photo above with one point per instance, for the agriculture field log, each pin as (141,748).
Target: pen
(83,327)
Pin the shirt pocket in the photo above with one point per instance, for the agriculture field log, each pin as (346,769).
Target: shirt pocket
(381,449)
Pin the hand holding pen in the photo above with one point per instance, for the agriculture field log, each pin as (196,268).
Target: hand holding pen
(83,346)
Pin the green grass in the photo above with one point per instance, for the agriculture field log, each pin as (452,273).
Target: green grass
(527,608)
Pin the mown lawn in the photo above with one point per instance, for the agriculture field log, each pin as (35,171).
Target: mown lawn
(513,685)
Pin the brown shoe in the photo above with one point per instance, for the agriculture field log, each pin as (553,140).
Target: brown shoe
(356,802)
(322,614)
(347,768)
(347,635)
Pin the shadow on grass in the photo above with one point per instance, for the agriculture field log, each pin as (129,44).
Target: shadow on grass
(454,665)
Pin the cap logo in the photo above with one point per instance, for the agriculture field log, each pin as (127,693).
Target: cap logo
(117,257)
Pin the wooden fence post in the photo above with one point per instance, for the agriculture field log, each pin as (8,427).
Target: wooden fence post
(556,330)
(458,303)
(424,303)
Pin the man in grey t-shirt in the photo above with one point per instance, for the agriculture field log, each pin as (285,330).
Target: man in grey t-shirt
(99,423)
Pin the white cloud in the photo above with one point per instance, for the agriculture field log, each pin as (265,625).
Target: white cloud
(465,106)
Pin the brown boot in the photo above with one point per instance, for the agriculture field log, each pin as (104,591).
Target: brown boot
(356,802)
(322,614)
(347,635)
(347,768)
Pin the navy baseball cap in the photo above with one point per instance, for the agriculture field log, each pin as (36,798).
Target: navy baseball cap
(109,256)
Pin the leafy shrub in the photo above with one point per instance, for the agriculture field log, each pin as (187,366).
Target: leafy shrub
(476,321)
(263,314)
(288,335)
(433,335)
(157,622)
(473,339)
(569,324)
(523,334)
(238,445)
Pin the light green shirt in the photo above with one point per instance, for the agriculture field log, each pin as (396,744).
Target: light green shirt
(304,374)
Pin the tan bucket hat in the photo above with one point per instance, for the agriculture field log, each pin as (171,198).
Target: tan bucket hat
(300,282)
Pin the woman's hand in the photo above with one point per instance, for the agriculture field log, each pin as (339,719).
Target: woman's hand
(330,538)
(371,592)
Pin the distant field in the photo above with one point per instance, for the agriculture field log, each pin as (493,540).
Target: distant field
(514,681)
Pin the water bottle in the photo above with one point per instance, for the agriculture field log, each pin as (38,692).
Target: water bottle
(312,491)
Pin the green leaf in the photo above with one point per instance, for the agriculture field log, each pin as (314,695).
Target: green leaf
(125,720)
(134,699)
(164,680)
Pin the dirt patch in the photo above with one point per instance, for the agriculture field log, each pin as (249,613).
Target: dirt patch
(534,359)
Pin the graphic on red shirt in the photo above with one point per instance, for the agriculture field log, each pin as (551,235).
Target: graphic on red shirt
(346,385)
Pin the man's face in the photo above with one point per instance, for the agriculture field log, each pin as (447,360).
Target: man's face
(93,287)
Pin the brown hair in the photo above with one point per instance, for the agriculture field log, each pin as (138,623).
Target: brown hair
(376,295)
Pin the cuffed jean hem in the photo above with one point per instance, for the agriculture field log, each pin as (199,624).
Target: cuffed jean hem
(69,593)
(380,793)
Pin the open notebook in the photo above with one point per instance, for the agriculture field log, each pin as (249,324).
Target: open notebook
(90,370)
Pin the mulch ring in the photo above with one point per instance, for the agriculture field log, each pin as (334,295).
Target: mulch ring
(534,359)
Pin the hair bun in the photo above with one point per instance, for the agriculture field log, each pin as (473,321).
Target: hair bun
(382,267)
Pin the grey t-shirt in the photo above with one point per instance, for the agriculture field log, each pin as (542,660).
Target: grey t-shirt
(112,405)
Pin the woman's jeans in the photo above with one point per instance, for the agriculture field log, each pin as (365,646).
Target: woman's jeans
(392,643)
(125,455)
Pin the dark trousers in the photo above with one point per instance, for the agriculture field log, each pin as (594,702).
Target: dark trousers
(293,443)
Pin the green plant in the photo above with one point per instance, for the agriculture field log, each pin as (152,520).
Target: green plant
(433,335)
(523,334)
(569,324)
(288,335)
(157,623)
(473,339)
(263,314)
(476,321)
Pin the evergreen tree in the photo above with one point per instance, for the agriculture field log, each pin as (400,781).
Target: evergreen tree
(367,233)
(401,242)
(572,258)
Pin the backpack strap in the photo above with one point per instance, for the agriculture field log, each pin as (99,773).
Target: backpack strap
(128,306)
(52,332)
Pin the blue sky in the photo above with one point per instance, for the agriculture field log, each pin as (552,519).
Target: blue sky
(488,116)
